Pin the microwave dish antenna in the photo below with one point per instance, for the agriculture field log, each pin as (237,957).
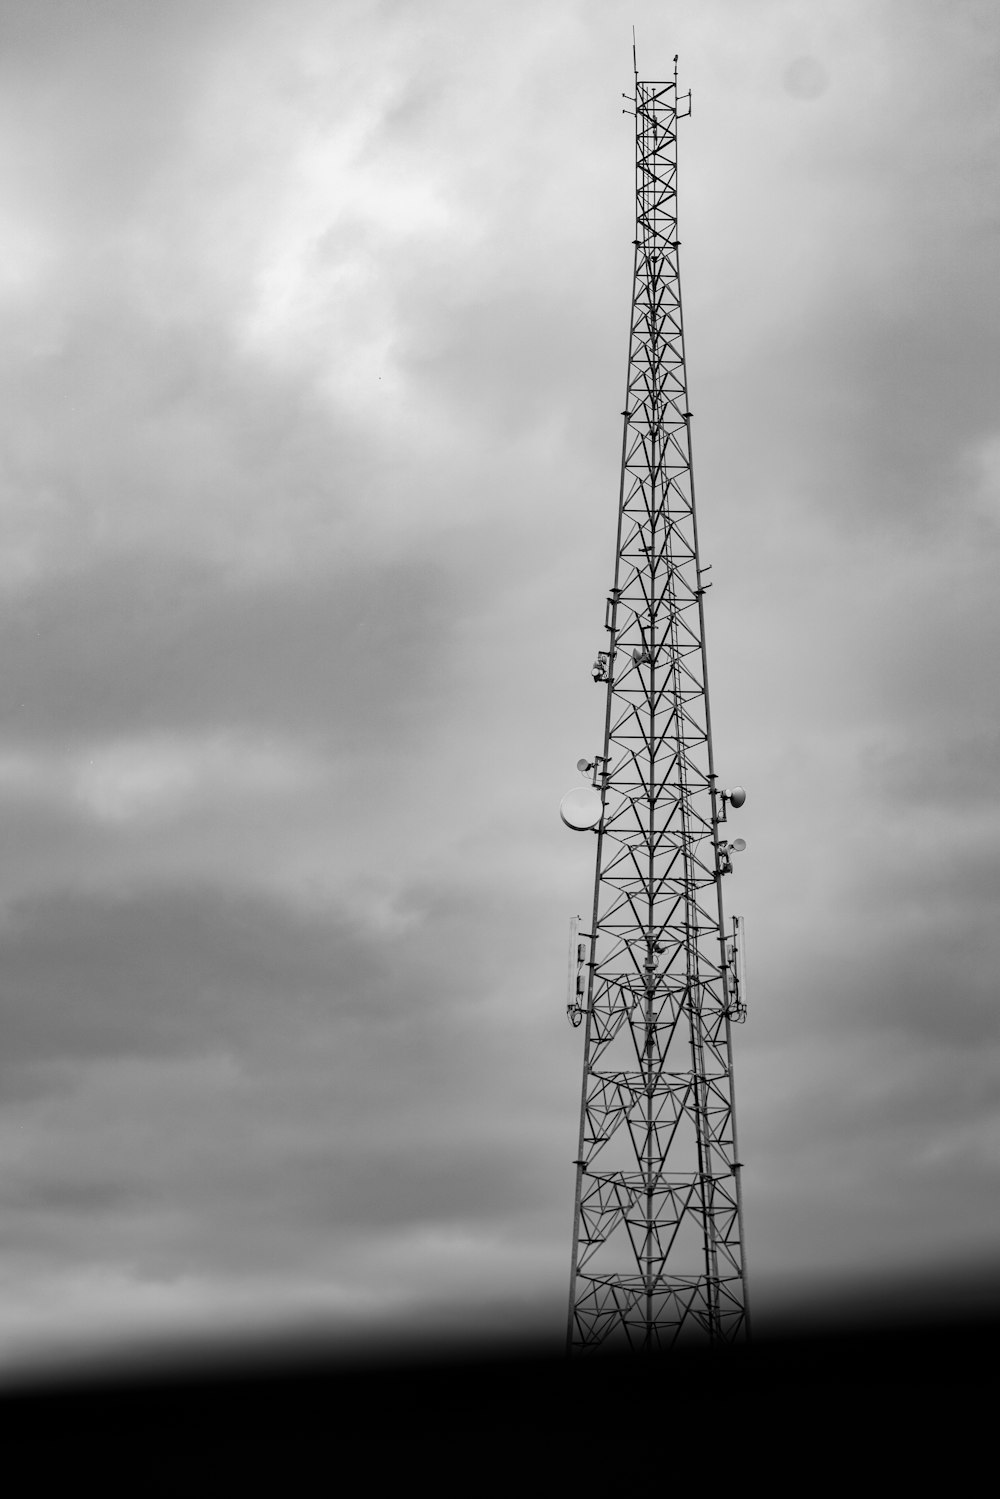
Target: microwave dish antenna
(581,809)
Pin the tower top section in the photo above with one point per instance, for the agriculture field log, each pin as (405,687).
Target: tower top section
(657,86)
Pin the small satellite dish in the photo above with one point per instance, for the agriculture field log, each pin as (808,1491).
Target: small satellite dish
(584,765)
(738,845)
(737,796)
(581,808)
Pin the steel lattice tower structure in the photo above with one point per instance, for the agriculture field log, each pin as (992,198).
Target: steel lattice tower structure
(658,1225)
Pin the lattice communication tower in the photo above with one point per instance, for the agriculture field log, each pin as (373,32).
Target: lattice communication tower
(657,980)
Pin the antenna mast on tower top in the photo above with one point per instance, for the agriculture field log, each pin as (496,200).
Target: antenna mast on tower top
(658,1224)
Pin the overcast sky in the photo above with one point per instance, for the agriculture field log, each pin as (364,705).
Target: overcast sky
(314,323)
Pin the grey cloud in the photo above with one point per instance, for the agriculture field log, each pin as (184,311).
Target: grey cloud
(947,765)
(222,1084)
(140,644)
(868,282)
(204,970)
(177,972)
(100,100)
(907,409)
(930,949)
(256,1194)
(132,435)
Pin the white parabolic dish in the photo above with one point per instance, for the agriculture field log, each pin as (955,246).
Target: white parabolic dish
(581,808)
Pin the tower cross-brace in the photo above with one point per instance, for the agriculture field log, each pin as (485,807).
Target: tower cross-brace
(658,1223)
